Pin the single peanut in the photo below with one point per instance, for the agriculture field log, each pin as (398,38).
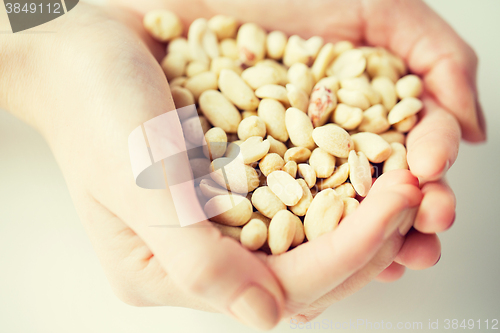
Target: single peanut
(271,162)
(393,136)
(251,126)
(253,235)
(348,64)
(200,83)
(266,202)
(276,43)
(229,49)
(324,58)
(299,128)
(397,159)
(297,97)
(237,91)
(387,91)
(347,117)
(182,97)
(372,145)
(251,42)
(300,75)
(406,124)
(323,214)
(277,147)
(322,162)
(196,33)
(282,70)
(297,154)
(346,190)
(353,98)
(232,210)
(375,120)
(163,25)
(299,50)
(272,113)
(273,91)
(253,149)
(281,231)
(290,167)
(307,172)
(338,177)
(321,105)
(359,172)
(299,236)
(259,76)
(334,139)
(234,175)
(350,205)
(285,187)
(406,107)
(221,63)
(301,207)
(223,26)
(220,111)
(216,140)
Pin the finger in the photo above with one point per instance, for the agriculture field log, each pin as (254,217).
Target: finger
(382,259)
(433,143)
(315,268)
(434,51)
(437,209)
(392,273)
(419,251)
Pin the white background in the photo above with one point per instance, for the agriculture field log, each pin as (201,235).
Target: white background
(51,280)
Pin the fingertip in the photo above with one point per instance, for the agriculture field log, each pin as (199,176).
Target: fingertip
(420,251)
(428,161)
(437,209)
(392,273)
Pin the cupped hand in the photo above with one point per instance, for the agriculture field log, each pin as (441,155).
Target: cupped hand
(113,84)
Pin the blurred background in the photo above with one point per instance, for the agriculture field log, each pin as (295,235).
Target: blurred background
(51,279)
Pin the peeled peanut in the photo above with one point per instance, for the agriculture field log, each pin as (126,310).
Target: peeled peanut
(210,189)
(381,64)
(179,45)
(223,26)
(334,139)
(300,75)
(331,83)
(324,58)
(232,210)
(323,214)
(196,32)
(347,117)
(272,113)
(299,236)
(338,177)
(397,160)
(163,25)
(276,43)
(405,108)
(359,172)
(372,145)
(253,235)
(387,91)
(174,65)
(348,64)
(273,91)
(393,136)
(297,97)
(299,50)
(251,126)
(229,49)
(210,44)
(234,175)
(375,120)
(301,207)
(237,91)
(321,105)
(253,149)
(251,42)
(322,163)
(353,98)
(228,231)
(307,172)
(271,162)
(266,202)
(259,76)
(177,82)
(363,85)
(299,128)
(282,70)
(182,97)
(342,46)
(281,231)
(346,190)
(285,187)
(216,140)
(406,124)
(277,147)
(221,63)
(220,111)
(200,83)
(350,205)
(409,86)
(297,154)
(290,167)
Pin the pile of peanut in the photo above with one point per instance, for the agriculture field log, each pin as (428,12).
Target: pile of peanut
(313,121)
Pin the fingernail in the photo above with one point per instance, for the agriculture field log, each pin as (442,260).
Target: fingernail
(257,308)
(423,180)
(438,260)
(396,222)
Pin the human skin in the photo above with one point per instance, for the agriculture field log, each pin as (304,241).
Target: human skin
(86,87)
